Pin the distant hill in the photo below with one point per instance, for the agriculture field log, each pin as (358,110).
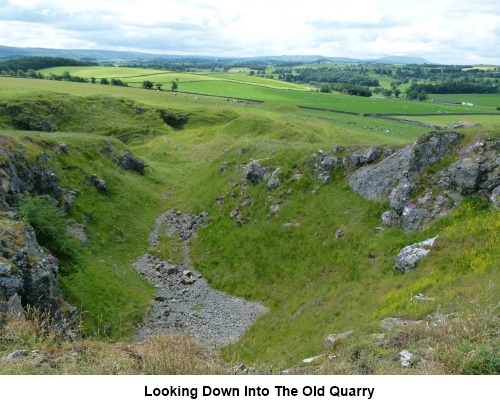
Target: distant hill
(401,60)
(7,52)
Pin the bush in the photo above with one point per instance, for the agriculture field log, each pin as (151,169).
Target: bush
(50,230)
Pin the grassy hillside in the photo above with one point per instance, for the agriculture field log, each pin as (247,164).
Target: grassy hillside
(313,282)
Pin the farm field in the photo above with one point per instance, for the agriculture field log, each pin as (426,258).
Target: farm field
(492,121)
(322,100)
(479,100)
(254,88)
(135,76)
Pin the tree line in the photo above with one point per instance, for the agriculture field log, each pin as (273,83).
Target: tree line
(455,87)
(38,63)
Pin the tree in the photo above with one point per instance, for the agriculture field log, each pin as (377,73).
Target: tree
(325,88)
(92,79)
(147,84)
(397,92)
(158,86)
(174,86)
(422,96)
(104,81)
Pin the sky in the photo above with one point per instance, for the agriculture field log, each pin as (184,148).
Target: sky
(440,31)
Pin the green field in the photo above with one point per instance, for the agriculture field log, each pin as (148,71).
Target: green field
(488,121)
(254,88)
(135,76)
(479,100)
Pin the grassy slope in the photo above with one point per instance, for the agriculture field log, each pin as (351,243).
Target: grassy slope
(313,283)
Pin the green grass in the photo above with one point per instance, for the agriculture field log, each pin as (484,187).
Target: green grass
(479,100)
(487,121)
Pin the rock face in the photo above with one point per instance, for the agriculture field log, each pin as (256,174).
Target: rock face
(377,181)
(407,259)
(399,178)
(465,175)
(29,272)
(18,176)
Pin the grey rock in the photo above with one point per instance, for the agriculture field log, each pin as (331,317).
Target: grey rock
(376,181)
(274,208)
(63,148)
(130,162)
(16,354)
(324,177)
(274,181)
(329,162)
(391,219)
(371,155)
(339,233)
(330,340)
(413,218)
(254,172)
(100,185)
(409,256)
(406,358)
(30,275)
(465,175)
(495,197)
(399,197)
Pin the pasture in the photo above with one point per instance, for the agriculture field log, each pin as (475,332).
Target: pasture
(479,100)
(233,85)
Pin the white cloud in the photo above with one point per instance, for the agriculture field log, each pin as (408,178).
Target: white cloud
(449,31)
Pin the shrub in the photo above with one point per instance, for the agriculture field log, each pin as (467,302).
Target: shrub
(50,230)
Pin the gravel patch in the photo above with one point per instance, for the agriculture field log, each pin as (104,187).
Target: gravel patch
(184,302)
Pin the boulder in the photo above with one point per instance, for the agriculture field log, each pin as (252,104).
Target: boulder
(371,155)
(99,184)
(274,181)
(130,162)
(409,256)
(254,172)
